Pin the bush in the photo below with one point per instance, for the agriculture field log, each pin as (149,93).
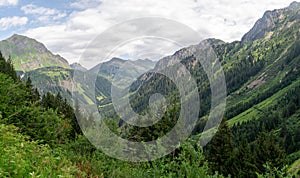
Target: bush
(22,158)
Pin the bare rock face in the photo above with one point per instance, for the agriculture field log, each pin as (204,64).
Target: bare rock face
(270,21)
(264,25)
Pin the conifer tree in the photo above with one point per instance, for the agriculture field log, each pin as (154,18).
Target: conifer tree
(7,67)
(267,151)
(36,95)
(220,151)
(243,161)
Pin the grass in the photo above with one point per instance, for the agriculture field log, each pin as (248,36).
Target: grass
(254,112)
(100,97)
(22,158)
(81,91)
(295,168)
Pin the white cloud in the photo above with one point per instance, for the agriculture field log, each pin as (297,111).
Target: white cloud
(33,9)
(44,14)
(8,2)
(8,22)
(224,19)
(83,4)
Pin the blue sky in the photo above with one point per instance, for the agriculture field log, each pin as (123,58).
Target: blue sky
(9,10)
(66,27)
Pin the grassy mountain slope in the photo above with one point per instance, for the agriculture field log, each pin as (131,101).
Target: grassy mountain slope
(255,68)
(109,69)
(56,79)
(262,73)
(28,54)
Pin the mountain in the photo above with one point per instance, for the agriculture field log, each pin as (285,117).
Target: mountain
(52,73)
(271,20)
(259,65)
(52,79)
(265,54)
(110,68)
(107,71)
(262,57)
(262,74)
(57,79)
(77,66)
(29,54)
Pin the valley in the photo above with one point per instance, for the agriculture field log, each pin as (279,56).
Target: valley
(259,135)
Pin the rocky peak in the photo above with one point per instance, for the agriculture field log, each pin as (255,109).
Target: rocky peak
(270,21)
(264,25)
(115,59)
(77,66)
(294,5)
(23,43)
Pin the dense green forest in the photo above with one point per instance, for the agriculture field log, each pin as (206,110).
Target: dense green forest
(40,137)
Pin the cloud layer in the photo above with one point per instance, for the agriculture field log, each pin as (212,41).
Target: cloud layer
(43,14)
(224,19)
(8,2)
(8,22)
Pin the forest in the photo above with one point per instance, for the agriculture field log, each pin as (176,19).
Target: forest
(40,137)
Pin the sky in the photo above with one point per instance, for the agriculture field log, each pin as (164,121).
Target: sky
(68,27)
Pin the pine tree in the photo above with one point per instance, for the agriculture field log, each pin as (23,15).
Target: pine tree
(29,83)
(29,89)
(243,161)
(64,109)
(59,102)
(7,67)
(36,95)
(220,151)
(48,101)
(266,150)
(69,113)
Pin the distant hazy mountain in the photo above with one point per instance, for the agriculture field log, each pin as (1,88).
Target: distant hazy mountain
(77,66)
(110,68)
(52,73)
(29,54)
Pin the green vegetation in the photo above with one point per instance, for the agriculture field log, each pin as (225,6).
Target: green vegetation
(262,77)
(41,138)
(20,157)
(47,141)
(28,54)
(295,168)
(259,135)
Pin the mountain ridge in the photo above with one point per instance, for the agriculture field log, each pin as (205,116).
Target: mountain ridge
(269,20)
(29,54)
(262,74)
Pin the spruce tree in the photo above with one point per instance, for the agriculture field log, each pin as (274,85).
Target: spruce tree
(36,95)
(243,160)
(7,67)
(220,151)
(267,151)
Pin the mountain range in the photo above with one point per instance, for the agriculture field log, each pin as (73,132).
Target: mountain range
(52,73)
(262,74)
